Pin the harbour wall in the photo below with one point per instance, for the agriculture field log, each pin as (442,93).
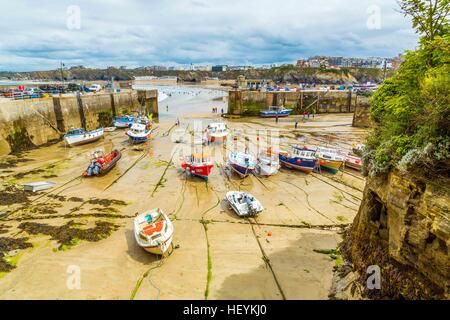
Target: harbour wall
(250,103)
(26,124)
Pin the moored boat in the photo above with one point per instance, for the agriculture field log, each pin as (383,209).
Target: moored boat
(139,133)
(101,164)
(124,121)
(268,163)
(244,204)
(153,231)
(300,158)
(329,159)
(77,137)
(242,163)
(198,164)
(217,132)
(275,111)
(353,162)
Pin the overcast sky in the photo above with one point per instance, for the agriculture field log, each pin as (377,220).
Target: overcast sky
(36,35)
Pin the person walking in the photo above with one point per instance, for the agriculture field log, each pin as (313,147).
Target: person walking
(296,124)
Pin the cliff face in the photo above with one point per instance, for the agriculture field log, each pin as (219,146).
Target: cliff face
(403,226)
(283,74)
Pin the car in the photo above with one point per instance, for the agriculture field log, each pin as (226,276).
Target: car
(95,88)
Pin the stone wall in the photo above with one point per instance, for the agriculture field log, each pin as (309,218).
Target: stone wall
(244,102)
(25,124)
(361,117)
(403,226)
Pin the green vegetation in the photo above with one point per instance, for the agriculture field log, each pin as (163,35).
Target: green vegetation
(411,110)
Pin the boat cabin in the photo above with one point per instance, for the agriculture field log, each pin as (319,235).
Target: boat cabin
(76,131)
(217,127)
(137,128)
(303,152)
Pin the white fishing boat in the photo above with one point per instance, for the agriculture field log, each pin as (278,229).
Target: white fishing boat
(268,163)
(77,137)
(139,133)
(244,204)
(153,231)
(217,131)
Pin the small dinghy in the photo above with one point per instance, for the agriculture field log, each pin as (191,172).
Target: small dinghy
(329,159)
(101,164)
(153,231)
(139,133)
(110,129)
(242,163)
(123,121)
(77,137)
(198,164)
(353,162)
(268,163)
(244,204)
(217,132)
(300,158)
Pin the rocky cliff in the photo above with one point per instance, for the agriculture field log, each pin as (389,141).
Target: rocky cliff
(403,226)
(280,74)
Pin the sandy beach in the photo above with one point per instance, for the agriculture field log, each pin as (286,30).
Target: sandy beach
(216,255)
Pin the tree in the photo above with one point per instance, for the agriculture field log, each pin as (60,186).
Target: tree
(429,17)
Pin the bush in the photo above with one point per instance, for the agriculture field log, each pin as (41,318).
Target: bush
(411,114)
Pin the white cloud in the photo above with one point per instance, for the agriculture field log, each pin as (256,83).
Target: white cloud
(35,36)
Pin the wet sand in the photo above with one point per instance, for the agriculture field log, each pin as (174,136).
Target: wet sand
(217,255)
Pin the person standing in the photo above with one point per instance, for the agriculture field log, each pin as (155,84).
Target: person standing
(296,124)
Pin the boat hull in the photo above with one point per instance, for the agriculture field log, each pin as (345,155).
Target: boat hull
(267,170)
(159,250)
(80,139)
(296,163)
(272,114)
(136,139)
(353,163)
(214,138)
(331,166)
(202,172)
(241,170)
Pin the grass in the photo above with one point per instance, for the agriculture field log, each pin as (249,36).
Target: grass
(209,265)
(334,254)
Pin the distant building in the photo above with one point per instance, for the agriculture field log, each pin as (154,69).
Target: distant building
(302,63)
(219,68)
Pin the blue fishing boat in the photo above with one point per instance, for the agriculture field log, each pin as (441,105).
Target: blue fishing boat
(123,121)
(242,163)
(275,111)
(300,158)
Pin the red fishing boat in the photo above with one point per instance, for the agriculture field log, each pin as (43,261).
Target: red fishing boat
(353,162)
(198,164)
(101,164)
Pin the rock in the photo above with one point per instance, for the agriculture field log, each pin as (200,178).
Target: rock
(403,226)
